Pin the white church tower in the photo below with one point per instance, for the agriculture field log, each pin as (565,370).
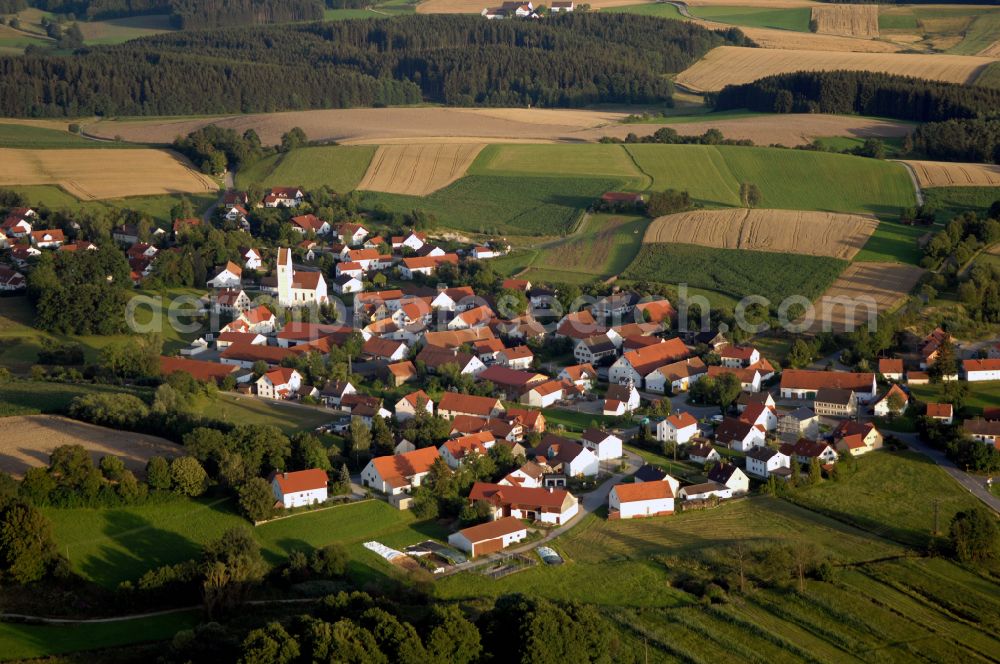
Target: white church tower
(285,273)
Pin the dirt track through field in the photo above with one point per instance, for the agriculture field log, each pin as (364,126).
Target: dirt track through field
(26,442)
(91,174)
(867,287)
(847,20)
(950,174)
(784,231)
(734,65)
(418,170)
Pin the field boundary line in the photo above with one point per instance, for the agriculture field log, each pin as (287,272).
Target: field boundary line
(639,168)
(913,178)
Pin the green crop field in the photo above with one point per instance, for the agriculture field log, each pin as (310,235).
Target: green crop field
(982,32)
(982,394)
(661,9)
(953,201)
(736,272)
(894,243)
(593,160)
(795,18)
(156,207)
(339,167)
(602,247)
(112,545)
(22,641)
(505,205)
(25,397)
(38,138)
(788,179)
(990,76)
(891,495)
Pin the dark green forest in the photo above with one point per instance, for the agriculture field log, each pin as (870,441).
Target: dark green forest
(184,13)
(455,60)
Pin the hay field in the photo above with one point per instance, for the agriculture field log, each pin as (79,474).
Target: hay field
(786,129)
(476,6)
(847,20)
(951,174)
(376,125)
(734,65)
(418,170)
(26,442)
(884,284)
(781,231)
(91,174)
(811,41)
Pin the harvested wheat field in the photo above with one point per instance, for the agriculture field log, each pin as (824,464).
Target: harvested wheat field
(789,130)
(477,6)
(378,125)
(847,20)
(991,51)
(869,289)
(93,174)
(418,170)
(26,442)
(811,41)
(781,231)
(951,174)
(733,65)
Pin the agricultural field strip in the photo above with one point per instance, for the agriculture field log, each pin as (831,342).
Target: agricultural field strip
(732,65)
(123,173)
(418,169)
(885,283)
(847,20)
(953,174)
(784,231)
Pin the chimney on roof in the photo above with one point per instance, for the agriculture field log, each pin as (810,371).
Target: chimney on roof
(550,489)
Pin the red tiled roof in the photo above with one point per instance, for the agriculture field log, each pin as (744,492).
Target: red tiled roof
(939,410)
(301,480)
(493,529)
(198,369)
(628,493)
(802,379)
(395,469)
(645,360)
(518,495)
(468,404)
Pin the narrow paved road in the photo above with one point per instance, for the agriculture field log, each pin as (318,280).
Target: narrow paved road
(228,183)
(972,483)
(589,503)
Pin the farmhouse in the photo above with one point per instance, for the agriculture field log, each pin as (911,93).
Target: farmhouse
(543,395)
(11,280)
(630,501)
(567,456)
(656,311)
(18,222)
(706,491)
(739,435)
(279,384)
(621,399)
(232,301)
(882,406)
(834,402)
(678,428)
(299,488)
(977,370)
(577,325)
(310,223)
(489,537)
(246,354)
(985,431)
(603,444)
(424,264)
(582,375)
(48,239)
(739,357)
(856,438)
(930,348)
(288,197)
(434,358)
(408,405)
(378,348)
(805,450)
(943,412)
(730,476)
(679,376)
(637,364)
(764,462)
(804,384)
(800,423)
(229,276)
(334,391)
(552,506)
(519,357)
(398,473)
(891,368)
(457,450)
(453,404)
(703,453)
(594,349)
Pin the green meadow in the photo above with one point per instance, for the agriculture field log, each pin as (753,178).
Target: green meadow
(339,167)
(793,18)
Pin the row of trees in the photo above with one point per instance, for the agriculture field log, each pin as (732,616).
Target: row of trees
(456,60)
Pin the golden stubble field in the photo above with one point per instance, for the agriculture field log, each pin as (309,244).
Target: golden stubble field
(91,174)
(26,442)
(952,174)
(418,170)
(882,284)
(847,20)
(734,65)
(477,6)
(783,231)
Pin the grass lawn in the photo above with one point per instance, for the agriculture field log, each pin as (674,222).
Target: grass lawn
(892,495)
(19,642)
(982,394)
(109,546)
(340,167)
(25,397)
(501,205)
(953,201)
(795,18)
(156,207)
(736,272)
(623,554)
(604,246)
(788,179)
(574,421)
(249,410)
(894,243)
(983,31)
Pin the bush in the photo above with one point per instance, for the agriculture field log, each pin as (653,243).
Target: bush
(187,477)
(257,500)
